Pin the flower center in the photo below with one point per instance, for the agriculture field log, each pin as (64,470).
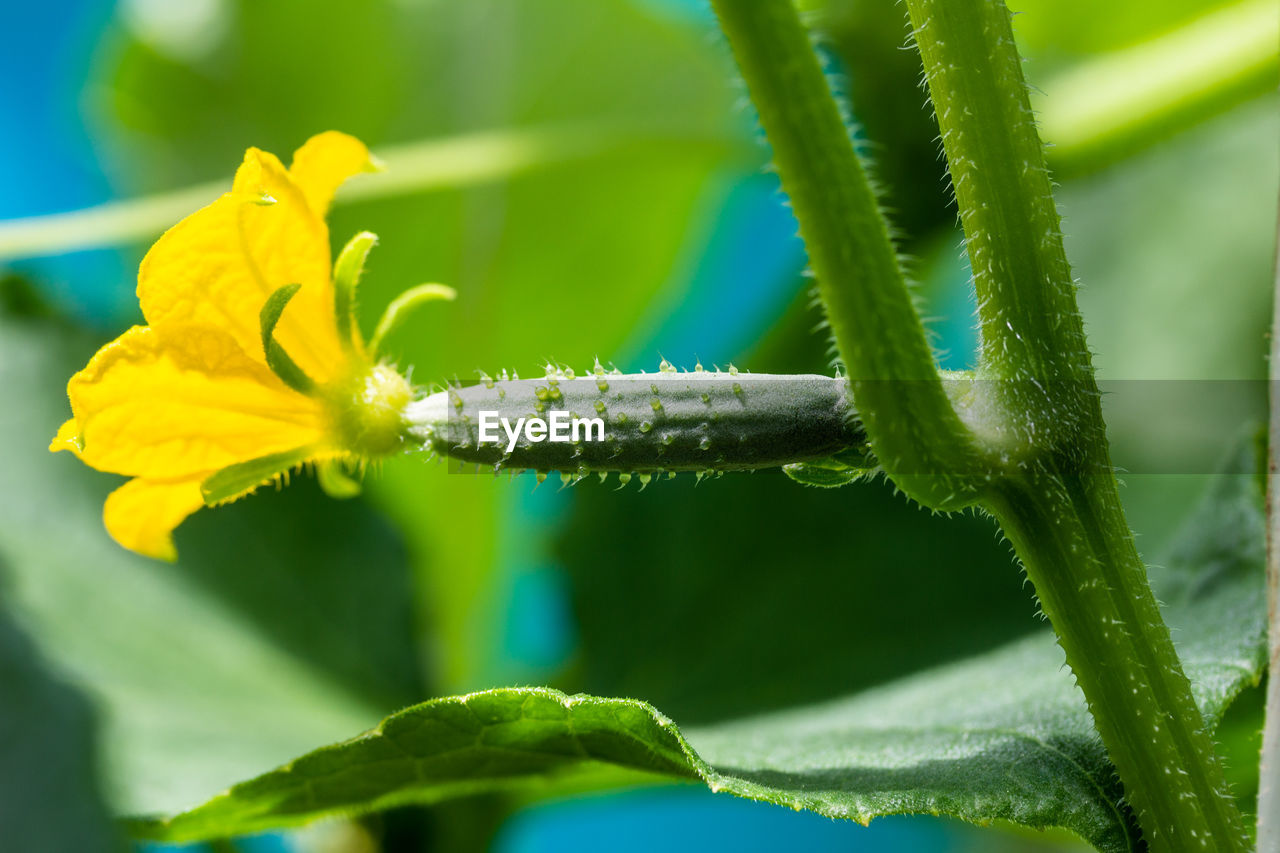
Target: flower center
(368,411)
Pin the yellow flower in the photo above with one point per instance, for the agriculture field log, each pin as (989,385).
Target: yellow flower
(250,364)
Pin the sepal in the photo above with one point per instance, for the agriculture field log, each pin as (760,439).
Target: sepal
(236,481)
(277,359)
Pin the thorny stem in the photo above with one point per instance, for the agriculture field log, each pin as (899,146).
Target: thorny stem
(1030,445)
(1093,587)
(917,436)
(1061,506)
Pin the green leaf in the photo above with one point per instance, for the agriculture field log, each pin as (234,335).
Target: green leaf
(1001,736)
(447,747)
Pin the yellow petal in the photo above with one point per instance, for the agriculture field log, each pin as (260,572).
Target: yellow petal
(186,402)
(218,266)
(142,514)
(326,160)
(68,438)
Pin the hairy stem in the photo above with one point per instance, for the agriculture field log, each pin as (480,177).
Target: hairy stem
(1093,587)
(917,436)
(1032,445)
(1058,500)
(1026,299)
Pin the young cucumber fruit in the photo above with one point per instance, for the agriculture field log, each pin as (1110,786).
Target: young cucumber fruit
(646,423)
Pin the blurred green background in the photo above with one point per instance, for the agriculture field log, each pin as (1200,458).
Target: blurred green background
(624,214)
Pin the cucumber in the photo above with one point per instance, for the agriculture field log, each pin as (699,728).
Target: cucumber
(701,421)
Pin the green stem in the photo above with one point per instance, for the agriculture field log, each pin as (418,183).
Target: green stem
(917,436)
(1057,498)
(1093,587)
(1032,446)
(1030,324)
